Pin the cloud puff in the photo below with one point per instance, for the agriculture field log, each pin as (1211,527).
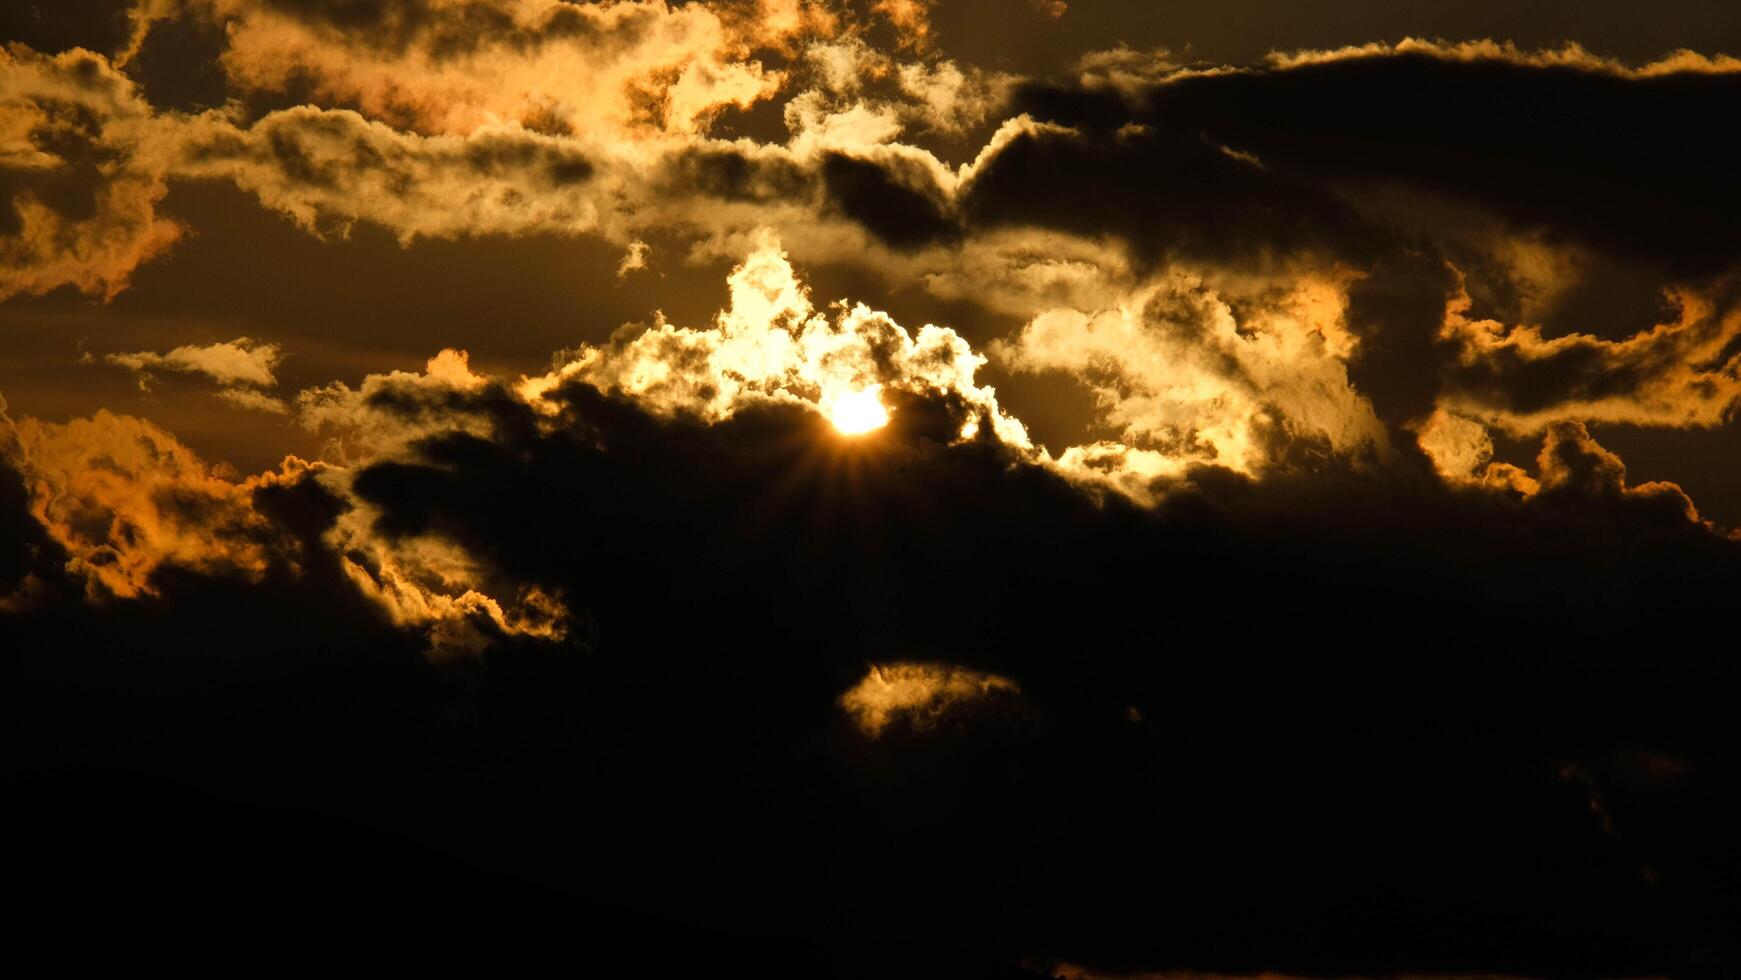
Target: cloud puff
(124,498)
(242,368)
(78,195)
(922,696)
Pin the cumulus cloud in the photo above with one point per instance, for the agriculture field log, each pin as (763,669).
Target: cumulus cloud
(1571,464)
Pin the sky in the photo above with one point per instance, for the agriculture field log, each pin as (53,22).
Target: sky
(1018,488)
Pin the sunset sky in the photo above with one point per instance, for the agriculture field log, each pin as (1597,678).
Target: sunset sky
(908,488)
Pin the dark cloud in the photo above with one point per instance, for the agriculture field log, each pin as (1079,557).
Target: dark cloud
(1625,164)
(1628,165)
(1538,189)
(1166,193)
(393,26)
(902,206)
(735,174)
(1244,714)
(177,65)
(1397,310)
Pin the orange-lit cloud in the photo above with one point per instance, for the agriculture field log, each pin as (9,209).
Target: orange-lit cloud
(423,581)
(1682,373)
(922,696)
(242,368)
(451,67)
(82,197)
(1571,55)
(1571,463)
(1179,373)
(125,498)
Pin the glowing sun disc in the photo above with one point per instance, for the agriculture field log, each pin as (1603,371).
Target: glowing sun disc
(857,412)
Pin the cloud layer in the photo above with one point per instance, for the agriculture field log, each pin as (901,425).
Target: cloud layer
(1332,635)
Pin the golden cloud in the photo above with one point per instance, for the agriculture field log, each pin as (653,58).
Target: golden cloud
(923,696)
(83,198)
(125,498)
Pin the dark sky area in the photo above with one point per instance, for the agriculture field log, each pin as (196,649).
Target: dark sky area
(874,488)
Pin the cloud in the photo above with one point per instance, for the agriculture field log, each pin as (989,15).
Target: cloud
(1196,408)
(1572,463)
(128,504)
(1220,665)
(328,169)
(242,368)
(437,67)
(1178,372)
(1083,163)
(634,258)
(1416,218)
(236,363)
(662,593)
(1427,117)
(773,345)
(1681,373)
(78,195)
(910,18)
(124,499)
(424,581)
(922,696)
(253,400)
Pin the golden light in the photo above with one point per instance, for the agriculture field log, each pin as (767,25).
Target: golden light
(856,412)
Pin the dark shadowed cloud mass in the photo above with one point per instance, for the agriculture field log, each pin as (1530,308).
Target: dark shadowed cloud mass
(873,489)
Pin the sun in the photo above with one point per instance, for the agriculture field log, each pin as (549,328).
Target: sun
(856,412)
